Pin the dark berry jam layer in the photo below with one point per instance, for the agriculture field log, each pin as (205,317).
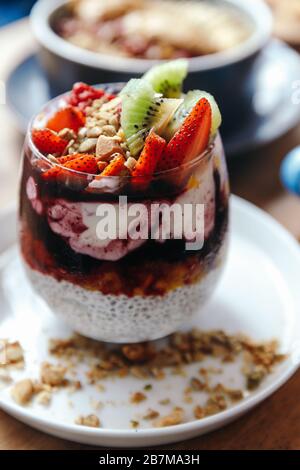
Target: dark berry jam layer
(152,269)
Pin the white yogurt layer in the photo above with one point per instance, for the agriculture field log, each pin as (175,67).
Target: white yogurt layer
(78,222)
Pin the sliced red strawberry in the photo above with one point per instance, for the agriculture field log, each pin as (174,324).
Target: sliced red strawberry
(48,141)
(190,140)
(69,117)
(84,163)
(115,167)
(68,158)
(53,174)
(147,162)
(83,95)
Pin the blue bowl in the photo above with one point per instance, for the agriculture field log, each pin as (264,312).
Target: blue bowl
(228,75)
(290,171)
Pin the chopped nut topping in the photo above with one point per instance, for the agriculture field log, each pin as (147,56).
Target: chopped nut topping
(23,391)
(106,147)
(94,132)
(109,130)
(130,163)
(67,134)
(53,374)
(114,121)
(87,145)
(91,421)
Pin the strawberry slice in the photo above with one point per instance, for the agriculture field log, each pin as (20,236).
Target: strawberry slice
(48,141)
(68,158)
(148,159)
(85,163)
(115,167)
(190,140)
(68,117)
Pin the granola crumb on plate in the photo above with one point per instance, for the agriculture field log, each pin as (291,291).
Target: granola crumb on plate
(23,391)
(91,421)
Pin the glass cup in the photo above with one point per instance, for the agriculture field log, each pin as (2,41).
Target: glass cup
(124,260)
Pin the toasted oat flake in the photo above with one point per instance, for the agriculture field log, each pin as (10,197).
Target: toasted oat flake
(134,424)
(11,353)
(199,412)
(215,404)
(138,397)
(96,404)
(5,378)
(197,385)
(148,361)
(91,421)
(255,377)
(151,414)
(52,374)
(44,398)
(175,417)
(148,387)
(23,391)
(164,401)
(135,352)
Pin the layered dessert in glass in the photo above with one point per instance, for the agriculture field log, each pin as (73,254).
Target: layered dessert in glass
(141,28)
(124,205)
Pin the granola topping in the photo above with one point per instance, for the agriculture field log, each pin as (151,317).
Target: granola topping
(141,28)
(149,362)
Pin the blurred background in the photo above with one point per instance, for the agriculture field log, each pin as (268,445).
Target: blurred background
(255,147)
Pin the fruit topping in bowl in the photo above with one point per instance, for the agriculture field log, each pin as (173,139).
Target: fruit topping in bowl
(143,29)
(150,127)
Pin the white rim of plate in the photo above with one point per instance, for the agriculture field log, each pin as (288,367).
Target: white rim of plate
(181,429)
(258,12)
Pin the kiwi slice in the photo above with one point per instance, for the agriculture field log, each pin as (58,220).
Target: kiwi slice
(190,100)
(143,110)
(167,78)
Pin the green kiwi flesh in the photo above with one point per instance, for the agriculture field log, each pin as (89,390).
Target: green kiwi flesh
(167,78)
(142,110)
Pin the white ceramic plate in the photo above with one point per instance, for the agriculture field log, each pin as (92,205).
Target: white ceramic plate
(258,295)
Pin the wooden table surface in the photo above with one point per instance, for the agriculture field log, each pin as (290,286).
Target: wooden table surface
(275,424)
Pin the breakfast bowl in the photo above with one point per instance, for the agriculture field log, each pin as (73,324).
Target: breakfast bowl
(234,32)
(124,211)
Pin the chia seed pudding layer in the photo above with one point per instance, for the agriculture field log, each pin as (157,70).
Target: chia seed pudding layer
(119,318)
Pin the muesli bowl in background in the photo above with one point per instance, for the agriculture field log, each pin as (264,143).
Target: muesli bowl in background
(92,153)
(222,43)
(287,21)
